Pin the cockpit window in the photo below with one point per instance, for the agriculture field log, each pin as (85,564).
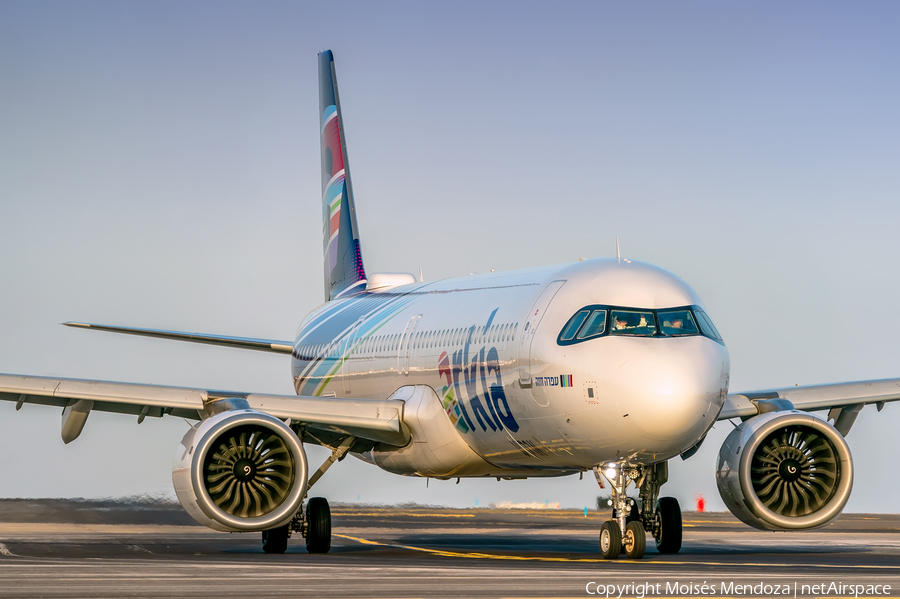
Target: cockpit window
(591,322)
(574,323)
(676,323)
(595,326)
(632,322)
(706,324)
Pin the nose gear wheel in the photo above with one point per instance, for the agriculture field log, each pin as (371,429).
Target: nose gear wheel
(635,540)
(610,540)
(250,473)
(795,471)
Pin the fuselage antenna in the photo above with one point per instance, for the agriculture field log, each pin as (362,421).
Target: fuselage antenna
(618,253)
(421,278)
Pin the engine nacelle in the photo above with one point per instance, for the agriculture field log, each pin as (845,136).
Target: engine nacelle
(785,470)
(240,470)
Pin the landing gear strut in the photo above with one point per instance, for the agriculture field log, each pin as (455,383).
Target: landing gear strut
(627,531)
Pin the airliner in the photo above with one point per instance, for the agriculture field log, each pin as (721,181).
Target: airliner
(610,366)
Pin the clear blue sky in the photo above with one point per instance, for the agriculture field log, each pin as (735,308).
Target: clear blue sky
(160,168)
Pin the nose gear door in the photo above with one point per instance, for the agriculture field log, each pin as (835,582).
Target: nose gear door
(530,326)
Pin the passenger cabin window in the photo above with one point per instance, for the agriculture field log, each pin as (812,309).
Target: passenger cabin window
(591,322)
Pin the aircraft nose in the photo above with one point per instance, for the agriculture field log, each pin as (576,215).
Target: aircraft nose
(672,392)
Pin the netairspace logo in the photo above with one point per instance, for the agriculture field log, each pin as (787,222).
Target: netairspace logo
(761,589)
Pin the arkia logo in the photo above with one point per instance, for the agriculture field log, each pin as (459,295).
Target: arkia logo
(480,393)
(483,389)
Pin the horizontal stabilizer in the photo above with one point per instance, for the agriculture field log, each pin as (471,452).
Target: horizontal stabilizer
(269,345)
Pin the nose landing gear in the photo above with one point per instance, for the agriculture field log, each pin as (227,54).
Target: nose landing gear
(627,531)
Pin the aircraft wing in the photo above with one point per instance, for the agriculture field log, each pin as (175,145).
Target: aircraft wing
(377,421)
(843,400)
(269,345)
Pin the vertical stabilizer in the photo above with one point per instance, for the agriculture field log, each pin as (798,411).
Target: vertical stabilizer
(343,260)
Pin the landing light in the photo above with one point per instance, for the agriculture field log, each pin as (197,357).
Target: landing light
(611,473)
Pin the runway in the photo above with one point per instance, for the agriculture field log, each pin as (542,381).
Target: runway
(108,549)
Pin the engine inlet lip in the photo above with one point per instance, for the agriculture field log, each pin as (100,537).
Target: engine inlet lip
(841,493)
(290,504)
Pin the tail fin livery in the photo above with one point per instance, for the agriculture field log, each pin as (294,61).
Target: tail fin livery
(343,260)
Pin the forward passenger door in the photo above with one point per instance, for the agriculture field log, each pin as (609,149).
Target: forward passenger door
(530,326)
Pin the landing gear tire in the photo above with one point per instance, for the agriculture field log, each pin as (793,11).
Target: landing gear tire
(276,539)
(668,513)
(610,540)
(318,522)
(635,541)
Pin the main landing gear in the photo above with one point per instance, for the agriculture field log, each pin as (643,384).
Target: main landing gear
(314,525)
(318,526)
(627,531)
(315,522)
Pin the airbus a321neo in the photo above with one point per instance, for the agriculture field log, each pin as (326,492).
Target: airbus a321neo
(607,365)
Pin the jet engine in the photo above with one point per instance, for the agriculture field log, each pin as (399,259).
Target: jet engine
(240,470)
(785,470)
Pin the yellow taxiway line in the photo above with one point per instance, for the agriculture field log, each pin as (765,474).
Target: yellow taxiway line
(591,560)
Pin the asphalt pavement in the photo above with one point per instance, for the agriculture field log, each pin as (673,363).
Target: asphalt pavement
(65,548)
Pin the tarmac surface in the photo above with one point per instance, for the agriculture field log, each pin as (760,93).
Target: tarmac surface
(65,548)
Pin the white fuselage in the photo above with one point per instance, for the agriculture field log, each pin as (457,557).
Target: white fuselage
(523,402)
